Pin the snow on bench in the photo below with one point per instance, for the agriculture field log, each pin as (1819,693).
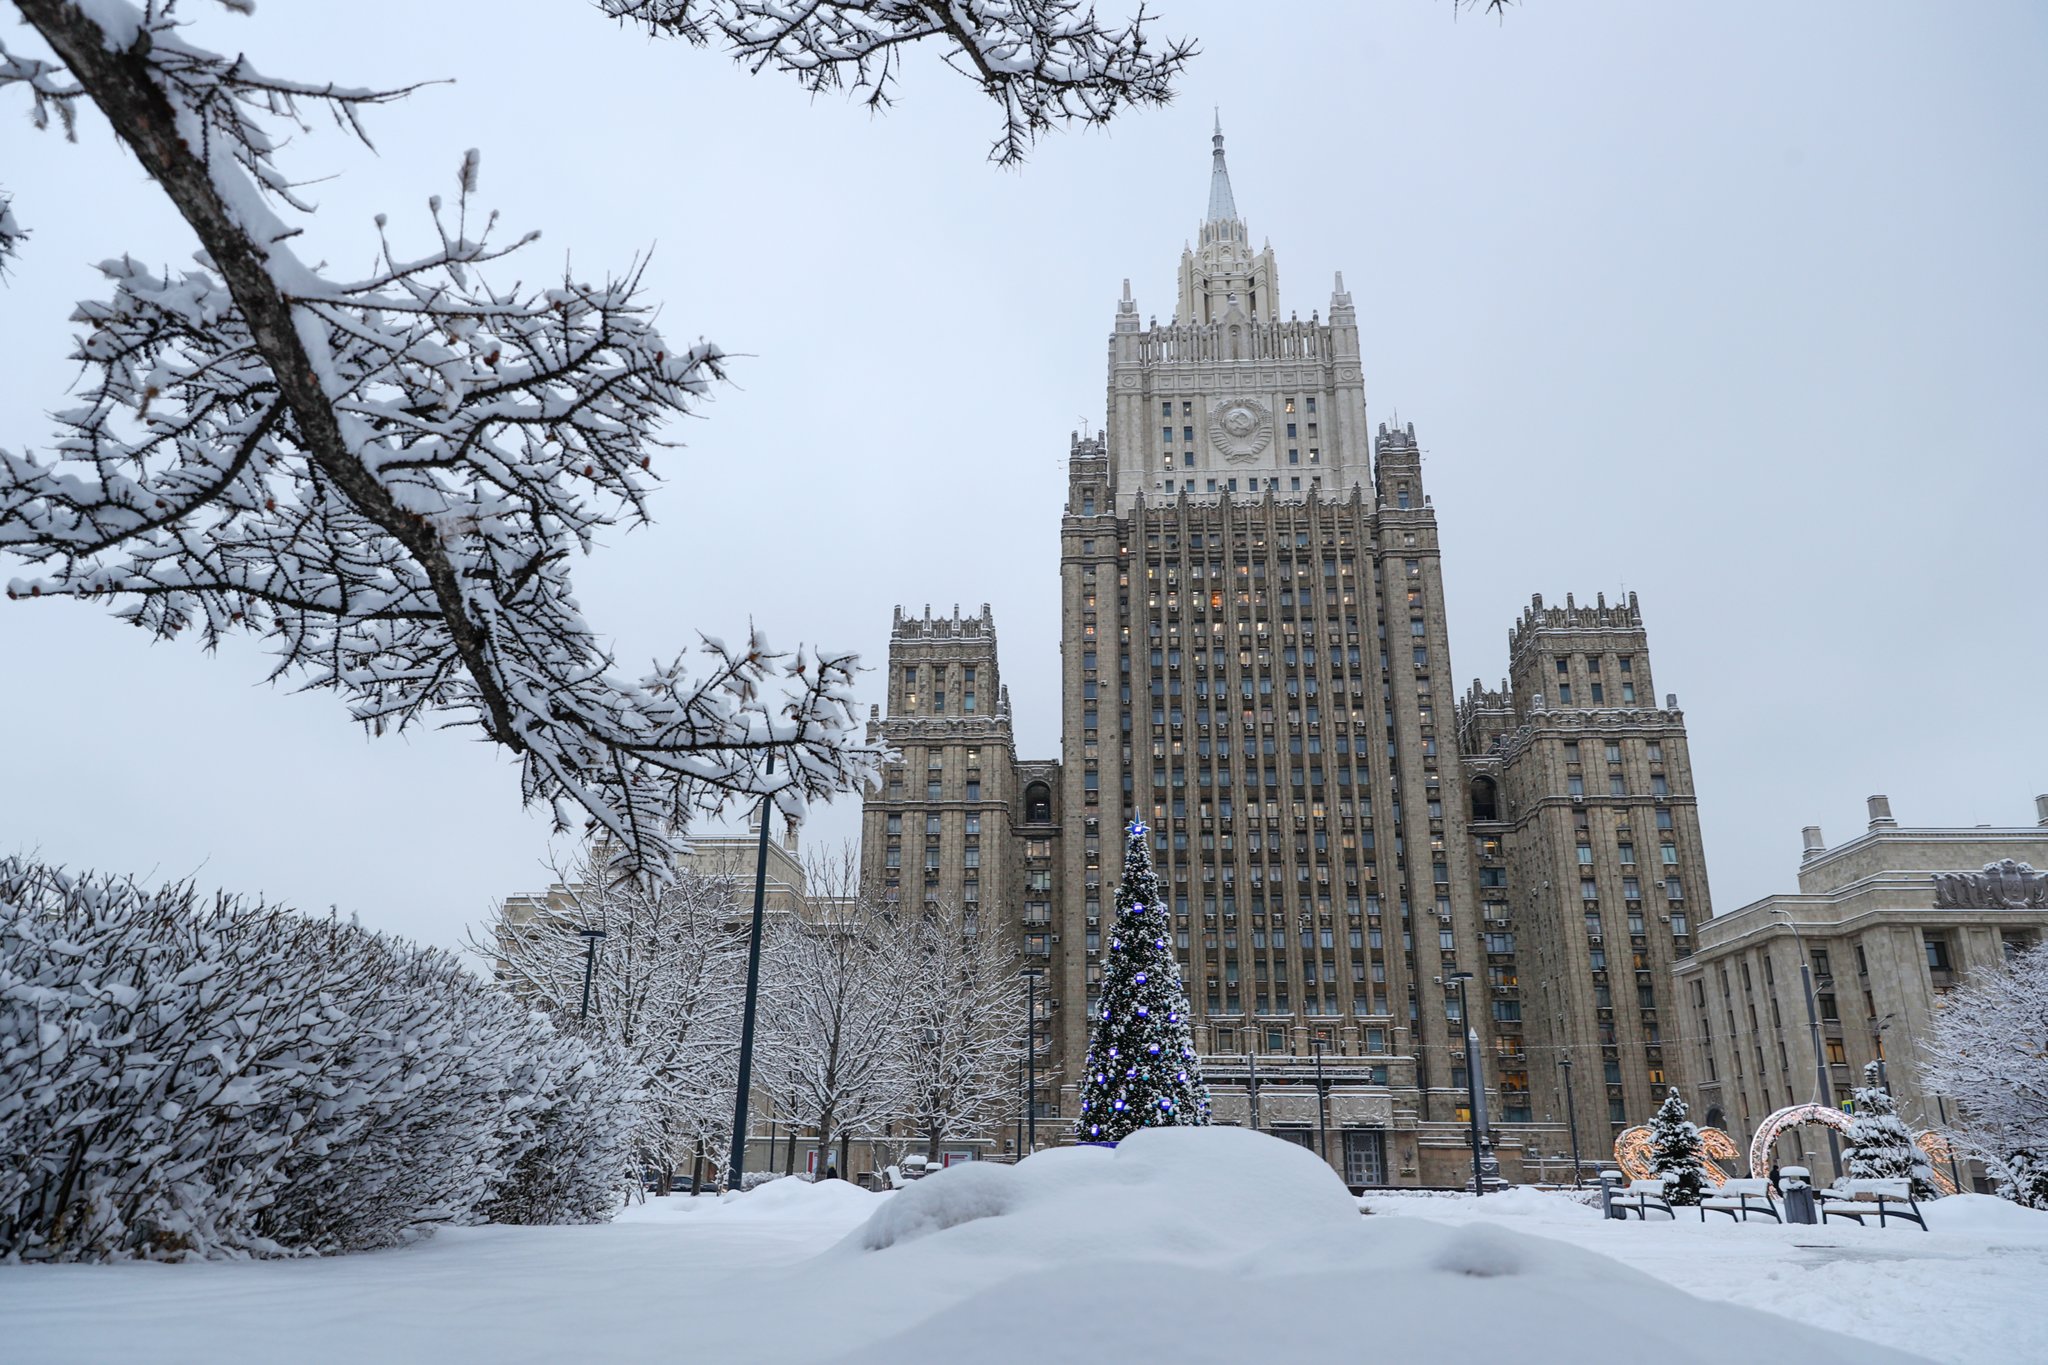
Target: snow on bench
(1858,1199)
(1741,1198)
(1642,1195)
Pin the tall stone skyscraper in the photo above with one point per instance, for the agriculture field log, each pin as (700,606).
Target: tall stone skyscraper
(1255,658)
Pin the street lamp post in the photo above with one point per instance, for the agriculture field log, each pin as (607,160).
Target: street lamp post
(1471,1082)
(1322,1100)
(1571,1114)
(1252,1083)
(590,938)
(1877,1028)
(1031,975)
(1820,1062)
(738,1168)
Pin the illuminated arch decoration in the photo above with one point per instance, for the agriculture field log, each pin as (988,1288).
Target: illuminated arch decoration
(1632,1153)
(1792,1116)
(1937,1149)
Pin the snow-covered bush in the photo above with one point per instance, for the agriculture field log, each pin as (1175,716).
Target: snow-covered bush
(2021,1176)
(184,1077)
(1676,1152)
(1881,1147)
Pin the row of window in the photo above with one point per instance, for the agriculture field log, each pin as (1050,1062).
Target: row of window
(937,696)
(1287,406)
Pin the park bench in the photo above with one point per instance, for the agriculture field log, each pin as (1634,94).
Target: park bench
(1858,1199)
(1642,1196)
(1739,1199)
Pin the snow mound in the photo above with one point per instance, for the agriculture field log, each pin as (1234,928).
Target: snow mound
(1201,1245)
(1484,1252)
(800,1196)
(1982,1213)
(1526,1201)
(970,1190)
(1188,1188)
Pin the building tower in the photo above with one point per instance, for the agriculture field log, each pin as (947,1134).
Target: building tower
(958,819)
(1256,660)
(1587,826)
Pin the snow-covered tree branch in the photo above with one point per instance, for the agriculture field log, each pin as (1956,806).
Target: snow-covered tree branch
(1988,1052)
(1044,62)
(385,476)
(666,983)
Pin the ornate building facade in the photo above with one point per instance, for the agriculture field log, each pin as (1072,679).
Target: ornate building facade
(1788,998)
(1255,657)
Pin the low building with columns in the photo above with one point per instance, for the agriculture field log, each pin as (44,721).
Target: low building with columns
(1881,928)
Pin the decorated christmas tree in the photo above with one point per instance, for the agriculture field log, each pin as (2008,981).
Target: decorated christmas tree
(1142,1070)
(1881,1147)
(1676,1152)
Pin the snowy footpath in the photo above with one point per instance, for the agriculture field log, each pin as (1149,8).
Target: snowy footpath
(1189,1246)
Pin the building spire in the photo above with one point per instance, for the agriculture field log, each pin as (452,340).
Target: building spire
(1222,207)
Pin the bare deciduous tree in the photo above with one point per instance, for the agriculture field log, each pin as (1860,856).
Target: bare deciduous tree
(963,1022)
(1988,1053)
(666,981)
(832,1020)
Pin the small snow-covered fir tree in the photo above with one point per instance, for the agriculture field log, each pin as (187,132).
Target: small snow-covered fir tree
(1142,1070)
(1676,1152)
(1881,1147)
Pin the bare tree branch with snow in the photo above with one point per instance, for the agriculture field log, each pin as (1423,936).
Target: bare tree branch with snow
(385,476)
(1045,62)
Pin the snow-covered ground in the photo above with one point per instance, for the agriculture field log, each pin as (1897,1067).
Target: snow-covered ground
(1184,1246)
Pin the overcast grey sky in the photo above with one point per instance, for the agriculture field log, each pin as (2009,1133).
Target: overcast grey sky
(1741,306)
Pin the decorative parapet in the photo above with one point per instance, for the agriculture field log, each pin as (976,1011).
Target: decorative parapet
(1586,721)
(1571,616)
(2003,885)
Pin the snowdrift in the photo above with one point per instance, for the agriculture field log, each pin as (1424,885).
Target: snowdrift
(1224,1245)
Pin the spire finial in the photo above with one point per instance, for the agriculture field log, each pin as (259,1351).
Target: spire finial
(1222,206)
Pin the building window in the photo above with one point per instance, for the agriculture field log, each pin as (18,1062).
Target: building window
(1564,694)
(1937,953)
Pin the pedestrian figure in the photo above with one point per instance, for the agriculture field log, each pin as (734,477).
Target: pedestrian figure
(1774,1181)
(831,1171)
